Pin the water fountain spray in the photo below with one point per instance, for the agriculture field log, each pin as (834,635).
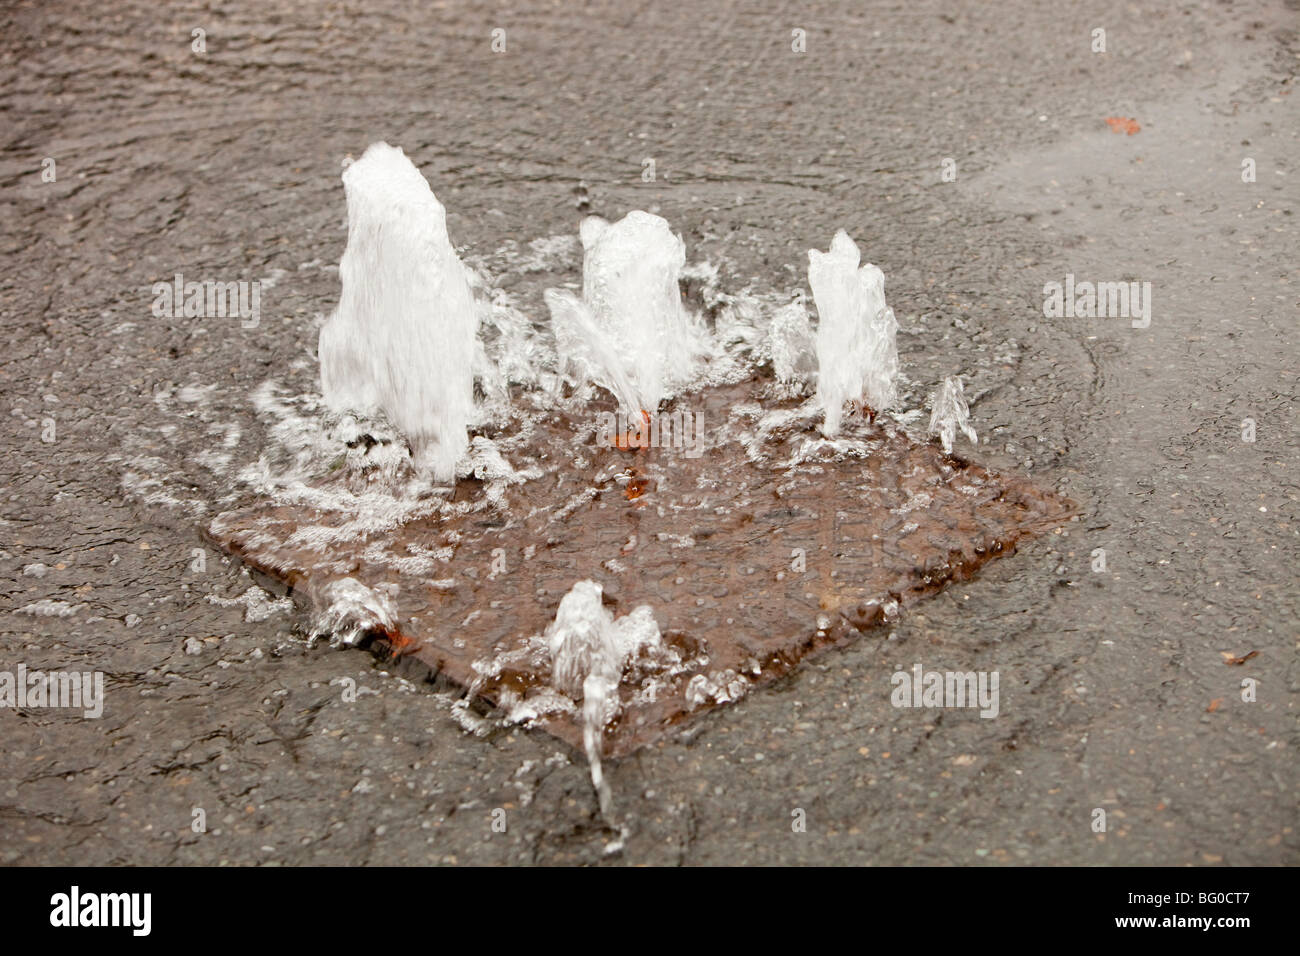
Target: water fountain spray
(401,341)
(760,545)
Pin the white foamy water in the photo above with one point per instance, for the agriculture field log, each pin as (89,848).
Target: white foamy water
(258,604)
(49,608)
(857,355)
(403,337)
(791,349)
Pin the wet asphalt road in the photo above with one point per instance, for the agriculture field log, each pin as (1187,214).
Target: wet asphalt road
(224,165)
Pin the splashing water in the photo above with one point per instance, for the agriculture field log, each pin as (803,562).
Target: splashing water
(414,330)
(589,651)
(856,350)
(629,333)
(790,347)
(949,412)
(347,610)
(586,350)
(402,340)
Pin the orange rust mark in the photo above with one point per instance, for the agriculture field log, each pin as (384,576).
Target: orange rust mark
(863,410)
(1238,661)
(399,642)
(633,440)
(1122,124)
(637,485)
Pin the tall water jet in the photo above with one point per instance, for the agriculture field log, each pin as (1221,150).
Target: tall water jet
(589,651)
(949,412)
(402,338)
(630,332)
(857,353)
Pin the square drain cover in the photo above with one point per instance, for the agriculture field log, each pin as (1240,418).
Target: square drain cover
(748,562)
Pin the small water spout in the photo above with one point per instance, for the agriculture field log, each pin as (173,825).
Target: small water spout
(589,652)
(949,412)
(345,610)
(790,347)
(857,353)
(402,340)
(630,332)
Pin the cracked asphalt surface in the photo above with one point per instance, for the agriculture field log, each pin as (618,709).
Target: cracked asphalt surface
(124,428)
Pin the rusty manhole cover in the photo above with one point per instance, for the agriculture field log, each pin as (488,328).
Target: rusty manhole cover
(750,560)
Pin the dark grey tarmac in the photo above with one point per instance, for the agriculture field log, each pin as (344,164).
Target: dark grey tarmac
(224,165)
